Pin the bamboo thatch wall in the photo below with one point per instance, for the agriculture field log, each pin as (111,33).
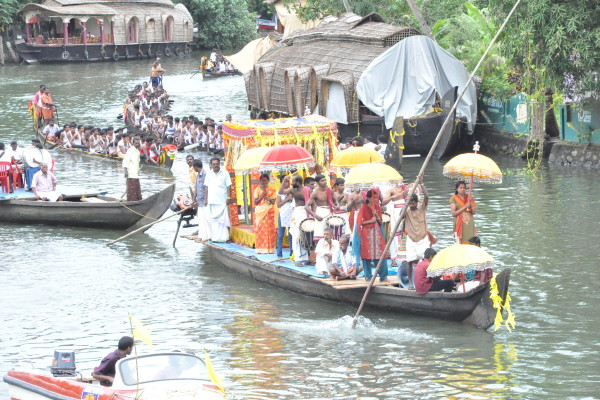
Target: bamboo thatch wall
(338,50)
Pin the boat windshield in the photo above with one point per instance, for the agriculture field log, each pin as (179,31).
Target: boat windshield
(161,367)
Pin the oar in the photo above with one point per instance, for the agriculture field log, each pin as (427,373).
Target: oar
(419,178)
(195,73)
(149,225)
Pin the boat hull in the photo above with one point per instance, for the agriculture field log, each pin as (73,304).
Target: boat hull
(166,158)
(33,54)
(473,307)
(109,214)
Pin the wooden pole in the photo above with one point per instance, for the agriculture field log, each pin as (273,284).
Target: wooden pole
(419,178)
(149,225)
(1,50)
(419,16)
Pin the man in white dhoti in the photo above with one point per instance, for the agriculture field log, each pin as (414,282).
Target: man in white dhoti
(417,238)
(217,184)
(298,215)
(395,199)
(325,251)
(43,185)
(320,205)
(203,217)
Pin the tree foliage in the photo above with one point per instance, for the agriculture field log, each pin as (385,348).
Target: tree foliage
(554,44)
(9,10)
(222,23)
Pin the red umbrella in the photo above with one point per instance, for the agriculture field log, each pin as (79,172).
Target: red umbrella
(286,157)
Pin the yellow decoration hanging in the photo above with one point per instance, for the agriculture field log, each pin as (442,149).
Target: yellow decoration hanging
(497,304)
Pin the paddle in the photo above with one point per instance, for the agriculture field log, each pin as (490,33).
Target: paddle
(419,178)
(149,225)
(195,73)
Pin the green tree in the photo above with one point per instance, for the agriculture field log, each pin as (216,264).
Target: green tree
(554,44)
(9,10)
(222,23)
(261,8)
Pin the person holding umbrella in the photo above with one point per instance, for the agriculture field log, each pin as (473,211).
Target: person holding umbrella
(463,207)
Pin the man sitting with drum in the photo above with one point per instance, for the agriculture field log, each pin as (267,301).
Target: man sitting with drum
(326,249)
(344,265)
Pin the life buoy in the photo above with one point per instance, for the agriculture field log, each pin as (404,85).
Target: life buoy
(168,52)
(86,55)
(177,51)
(140,54)
(158,53)
(65,55)
(186,50)
(103,54)
(115,56)
(149,52)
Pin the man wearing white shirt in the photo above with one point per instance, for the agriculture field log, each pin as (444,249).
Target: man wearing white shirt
(131,164)
(50,130)
(369,143)
(15,152)
(218,183)
(344,263)
(326,249)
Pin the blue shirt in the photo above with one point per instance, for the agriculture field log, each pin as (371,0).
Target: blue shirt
(200,188)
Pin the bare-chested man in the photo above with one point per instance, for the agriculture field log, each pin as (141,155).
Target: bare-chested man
(394,199)
(355,201)
(298,215)
(320,205)
(340,199)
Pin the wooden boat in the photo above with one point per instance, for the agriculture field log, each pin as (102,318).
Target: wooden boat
(473,307)
(161,376)
(217,74)
(97,30)
(89,211)
(165,160)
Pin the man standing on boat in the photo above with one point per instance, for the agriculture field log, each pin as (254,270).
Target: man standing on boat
(217,184)
(156,74)
(298,215)
(417,240)
(320,205)
(131,164)
(105,373)
(203,216)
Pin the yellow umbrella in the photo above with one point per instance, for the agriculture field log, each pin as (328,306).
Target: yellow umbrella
(460,258)
(367,176)
(475,166)
(346,159)
(250,159)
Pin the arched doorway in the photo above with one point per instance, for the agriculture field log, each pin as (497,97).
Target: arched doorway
(150,30)
(132,30)
(168,30)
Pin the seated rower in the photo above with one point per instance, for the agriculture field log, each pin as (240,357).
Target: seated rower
(344,265)
(423,284)
(326,248)
(105,372)
(50,130)
(43,185)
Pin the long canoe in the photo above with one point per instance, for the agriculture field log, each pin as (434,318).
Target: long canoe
(90,211)
(165,159)
(473,307)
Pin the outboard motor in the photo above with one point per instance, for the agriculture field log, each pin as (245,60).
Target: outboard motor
(63,363)
(183,202)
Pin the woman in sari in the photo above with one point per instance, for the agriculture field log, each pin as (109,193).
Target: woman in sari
(463,208)
(264,201)
(372,245)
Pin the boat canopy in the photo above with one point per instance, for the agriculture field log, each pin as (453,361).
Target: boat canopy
(408,78)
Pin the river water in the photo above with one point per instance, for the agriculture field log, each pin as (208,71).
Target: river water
(63,288)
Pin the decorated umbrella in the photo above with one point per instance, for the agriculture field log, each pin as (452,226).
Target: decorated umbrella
(250,160)
(475,166)
(286,157)
(367,176)
(460,258)
(346,159)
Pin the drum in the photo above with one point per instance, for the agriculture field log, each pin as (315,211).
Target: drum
(336,224)
(386,223)
(307,232)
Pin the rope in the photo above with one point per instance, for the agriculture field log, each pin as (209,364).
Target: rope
(135,212)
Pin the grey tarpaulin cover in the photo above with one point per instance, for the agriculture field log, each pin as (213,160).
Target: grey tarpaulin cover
(403,81)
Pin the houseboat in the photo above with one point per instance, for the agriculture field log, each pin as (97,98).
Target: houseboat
(96,30)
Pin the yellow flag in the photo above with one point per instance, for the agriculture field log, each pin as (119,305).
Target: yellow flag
(140,332)
(214,376)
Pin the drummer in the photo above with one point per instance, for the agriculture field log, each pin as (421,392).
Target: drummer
(298,215)
(320,205)
(341,199)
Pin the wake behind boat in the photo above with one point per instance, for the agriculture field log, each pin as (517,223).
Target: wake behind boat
(86,210)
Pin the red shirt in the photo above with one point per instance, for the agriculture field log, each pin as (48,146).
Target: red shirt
(422,282)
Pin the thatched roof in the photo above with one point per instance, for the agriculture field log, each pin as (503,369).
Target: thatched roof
(114,2)
(75,10)
(299,70)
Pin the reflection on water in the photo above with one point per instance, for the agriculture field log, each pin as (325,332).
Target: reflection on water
(63,288)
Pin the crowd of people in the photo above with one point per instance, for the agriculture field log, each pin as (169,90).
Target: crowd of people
(342,234)
(216,63)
